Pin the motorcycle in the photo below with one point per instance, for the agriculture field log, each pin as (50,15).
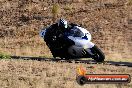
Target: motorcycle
(76,44)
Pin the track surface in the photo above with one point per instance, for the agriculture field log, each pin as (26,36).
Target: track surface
(128,64)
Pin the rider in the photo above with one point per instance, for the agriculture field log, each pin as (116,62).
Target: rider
(59,32)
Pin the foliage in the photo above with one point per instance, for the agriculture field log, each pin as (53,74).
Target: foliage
(55,11)
(4,56)
(129,2)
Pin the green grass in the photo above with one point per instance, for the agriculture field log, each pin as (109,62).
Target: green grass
(4,56)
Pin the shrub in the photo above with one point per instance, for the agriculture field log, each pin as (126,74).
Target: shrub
(4,56)
(55,11)
(129,2)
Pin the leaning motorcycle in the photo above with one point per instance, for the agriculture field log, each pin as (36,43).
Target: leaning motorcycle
(80,45)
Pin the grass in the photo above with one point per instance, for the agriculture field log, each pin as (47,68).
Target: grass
(23,38)
(24,41)
(55,11)
(129,2)
(4,56)
(68,7)
(119,59)
(112,59)
(41,74)
(46,56)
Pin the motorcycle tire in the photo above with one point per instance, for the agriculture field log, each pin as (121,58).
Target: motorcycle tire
(98,54)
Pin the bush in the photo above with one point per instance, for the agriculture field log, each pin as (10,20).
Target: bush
(55,11)
(129,2)
(4,56)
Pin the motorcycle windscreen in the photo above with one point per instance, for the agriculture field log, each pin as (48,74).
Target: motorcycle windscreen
(80,32)
(76,32)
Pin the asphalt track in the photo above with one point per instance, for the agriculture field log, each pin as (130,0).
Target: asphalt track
(128,64)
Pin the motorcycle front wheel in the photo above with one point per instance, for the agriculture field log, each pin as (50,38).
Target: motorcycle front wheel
(98,54)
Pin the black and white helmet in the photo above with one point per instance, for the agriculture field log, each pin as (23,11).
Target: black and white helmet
(62,23)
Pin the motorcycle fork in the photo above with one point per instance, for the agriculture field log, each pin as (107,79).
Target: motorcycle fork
(89,52)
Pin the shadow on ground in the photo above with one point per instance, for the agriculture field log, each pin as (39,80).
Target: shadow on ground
(128,64)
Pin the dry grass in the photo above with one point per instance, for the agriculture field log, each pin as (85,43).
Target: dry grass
(21,22)
(25,47)
(36,74)
(55,11)
(129,2)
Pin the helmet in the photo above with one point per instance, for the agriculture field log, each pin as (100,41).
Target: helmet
(62,23)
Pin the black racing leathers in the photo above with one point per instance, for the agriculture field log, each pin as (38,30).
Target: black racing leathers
(56,39)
